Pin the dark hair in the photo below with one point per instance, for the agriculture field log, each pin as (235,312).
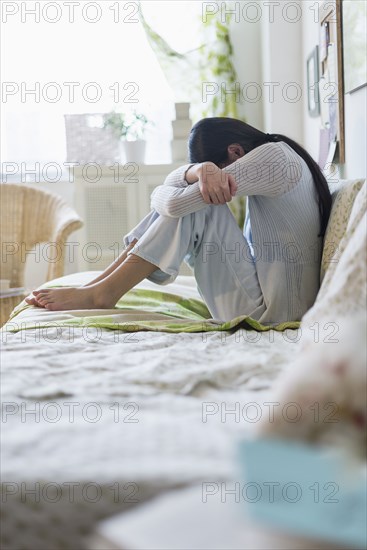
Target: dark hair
(210,137)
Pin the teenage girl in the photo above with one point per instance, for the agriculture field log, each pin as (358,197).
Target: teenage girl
(269,271)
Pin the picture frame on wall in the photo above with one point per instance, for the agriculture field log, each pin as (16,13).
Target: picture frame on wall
(331,76)
(313,97)
(354,15)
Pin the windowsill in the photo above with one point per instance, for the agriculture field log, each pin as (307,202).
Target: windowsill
(123,170)
(91,171)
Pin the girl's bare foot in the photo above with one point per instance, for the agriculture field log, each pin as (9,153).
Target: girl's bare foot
(100,295)
(55,299)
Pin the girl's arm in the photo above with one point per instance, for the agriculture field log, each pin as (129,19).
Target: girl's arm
(270,170)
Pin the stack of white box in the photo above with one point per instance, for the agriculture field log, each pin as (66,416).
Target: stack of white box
(181,128)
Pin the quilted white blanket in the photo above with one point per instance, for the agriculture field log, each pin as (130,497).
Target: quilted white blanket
(94,422)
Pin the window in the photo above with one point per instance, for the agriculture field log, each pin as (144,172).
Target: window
(70,57)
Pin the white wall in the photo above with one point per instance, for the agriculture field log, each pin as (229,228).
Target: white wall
(263,58)
(310,38)
(246,40)
(281,54)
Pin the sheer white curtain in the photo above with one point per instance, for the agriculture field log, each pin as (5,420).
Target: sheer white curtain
(75,65)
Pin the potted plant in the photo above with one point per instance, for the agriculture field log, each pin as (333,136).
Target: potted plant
(129,128)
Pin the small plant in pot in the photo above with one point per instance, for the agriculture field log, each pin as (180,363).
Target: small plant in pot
(129,128)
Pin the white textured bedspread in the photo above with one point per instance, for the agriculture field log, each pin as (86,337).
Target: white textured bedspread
(97,421)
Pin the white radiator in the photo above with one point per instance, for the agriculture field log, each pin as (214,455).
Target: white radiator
(111,202)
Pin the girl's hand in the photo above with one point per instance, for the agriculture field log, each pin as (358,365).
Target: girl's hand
(216,186)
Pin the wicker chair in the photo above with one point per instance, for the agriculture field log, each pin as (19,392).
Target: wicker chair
(30,216)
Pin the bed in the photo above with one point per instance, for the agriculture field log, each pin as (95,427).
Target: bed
(96,421)
(123,415)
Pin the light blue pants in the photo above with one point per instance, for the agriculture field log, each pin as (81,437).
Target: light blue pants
(212,244)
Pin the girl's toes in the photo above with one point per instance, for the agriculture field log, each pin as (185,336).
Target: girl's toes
(32,301)
(42,295)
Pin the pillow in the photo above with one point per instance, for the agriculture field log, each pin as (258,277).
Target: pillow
(343,290)
(359,208)
(343,200)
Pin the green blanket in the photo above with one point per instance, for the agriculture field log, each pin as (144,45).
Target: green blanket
(138,310)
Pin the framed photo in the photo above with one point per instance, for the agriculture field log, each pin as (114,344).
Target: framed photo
(331,81)
(354,45)
(324,41)
(313,83)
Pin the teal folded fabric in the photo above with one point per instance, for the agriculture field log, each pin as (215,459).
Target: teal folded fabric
(316,492)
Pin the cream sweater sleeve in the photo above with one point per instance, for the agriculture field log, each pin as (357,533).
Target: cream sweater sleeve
(269,170)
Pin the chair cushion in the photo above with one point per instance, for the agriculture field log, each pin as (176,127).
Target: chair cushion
(343,200)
